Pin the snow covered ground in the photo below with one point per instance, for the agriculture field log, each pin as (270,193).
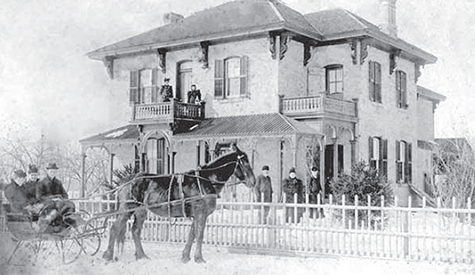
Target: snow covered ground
(165,259)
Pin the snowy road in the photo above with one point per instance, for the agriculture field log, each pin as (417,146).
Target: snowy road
(165,259)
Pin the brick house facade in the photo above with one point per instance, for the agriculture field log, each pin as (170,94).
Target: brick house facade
(292,90)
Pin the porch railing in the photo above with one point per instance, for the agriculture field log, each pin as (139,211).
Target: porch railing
(318,105)
(167,111)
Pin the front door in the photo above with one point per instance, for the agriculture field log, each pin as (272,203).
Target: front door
(184,80)
(329,163)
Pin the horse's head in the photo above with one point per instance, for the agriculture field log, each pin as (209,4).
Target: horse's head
(243,170)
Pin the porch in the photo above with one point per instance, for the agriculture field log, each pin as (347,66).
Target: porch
(321,106)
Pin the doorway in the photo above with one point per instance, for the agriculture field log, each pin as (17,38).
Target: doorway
(329,163)
(184,80)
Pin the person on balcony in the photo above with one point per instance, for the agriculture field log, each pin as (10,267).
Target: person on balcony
(291,186)
(166,91)
(194,95)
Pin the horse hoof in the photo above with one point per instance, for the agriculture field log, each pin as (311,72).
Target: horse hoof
(200,260)
(107,256)
(185,259)
(140,257)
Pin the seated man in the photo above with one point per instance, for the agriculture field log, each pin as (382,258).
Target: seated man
(50,192)
(15,192)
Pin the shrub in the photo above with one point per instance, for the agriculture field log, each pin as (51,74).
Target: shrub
(361,182)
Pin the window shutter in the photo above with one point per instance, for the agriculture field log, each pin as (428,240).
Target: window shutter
(384,157)
(370,153)
(218,78)
(154,85)
(408,171)
(371,82)
(398,163)
(403,90)
(377,80)
(134,87)
(244,75)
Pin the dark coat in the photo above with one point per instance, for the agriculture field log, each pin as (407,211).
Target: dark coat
(314,188)
(194,96)
(50,187)
(166,92)
(16,195)
(30,190)
(263,185)
(292,186)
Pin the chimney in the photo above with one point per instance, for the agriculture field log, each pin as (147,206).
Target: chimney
(171,17)
(387,20)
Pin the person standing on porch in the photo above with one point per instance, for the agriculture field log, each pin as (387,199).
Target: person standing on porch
(263,191)
(166,91)
(315,188)
(291,186)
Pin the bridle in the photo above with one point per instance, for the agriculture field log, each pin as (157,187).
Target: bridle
(239,163)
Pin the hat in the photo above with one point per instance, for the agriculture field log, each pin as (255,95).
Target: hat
(292,170)
(20,173)
(32,169)
(265,167)
(52,166)
(314,168)
(166,79)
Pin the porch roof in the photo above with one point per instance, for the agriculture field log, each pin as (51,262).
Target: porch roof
(127,133)
(261,125)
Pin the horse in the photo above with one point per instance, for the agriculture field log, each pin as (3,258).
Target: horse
(191,195)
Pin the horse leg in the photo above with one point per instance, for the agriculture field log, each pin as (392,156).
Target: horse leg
(200,228)
(116,231)
(140,217)
(185,256)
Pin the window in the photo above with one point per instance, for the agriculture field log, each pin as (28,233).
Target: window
(155,155)
(403,161)
(143,86)
(375,81)
(334,79)
(378,154)
(401,90)
(230,77)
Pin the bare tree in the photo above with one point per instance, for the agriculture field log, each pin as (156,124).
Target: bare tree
(454,161)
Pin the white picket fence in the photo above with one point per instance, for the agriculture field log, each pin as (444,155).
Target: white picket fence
(389,232)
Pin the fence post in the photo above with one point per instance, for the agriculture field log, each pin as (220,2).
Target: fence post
(271,232)
(405,228)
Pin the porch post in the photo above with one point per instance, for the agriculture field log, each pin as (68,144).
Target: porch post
(198,153)
(335,157)
(83,173)
(353,151)
(111,176)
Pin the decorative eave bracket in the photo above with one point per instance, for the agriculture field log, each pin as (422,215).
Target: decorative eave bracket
(307,53)
(203,58)
(284,44)
(417,71)
(272,42)
(359,50)
(109,64)
(162,61)
(393,60)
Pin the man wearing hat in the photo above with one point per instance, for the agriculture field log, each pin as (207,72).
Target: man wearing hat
(31,183)
(292,185)
(166,90)
(263,191)
(315,188)
(50,189)
(15,192)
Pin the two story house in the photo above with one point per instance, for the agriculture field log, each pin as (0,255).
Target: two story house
(322,89)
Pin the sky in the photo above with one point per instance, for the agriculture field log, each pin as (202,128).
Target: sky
(49,86)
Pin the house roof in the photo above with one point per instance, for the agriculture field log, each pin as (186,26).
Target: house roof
(429,94)
(248,125)
(230,19)
(121,134)
(337,24)
(247,17)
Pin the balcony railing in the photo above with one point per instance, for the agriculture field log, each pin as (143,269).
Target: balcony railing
(167,112)
(318,106)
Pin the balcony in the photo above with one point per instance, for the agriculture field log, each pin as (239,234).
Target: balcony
(319,107)
(166,112)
